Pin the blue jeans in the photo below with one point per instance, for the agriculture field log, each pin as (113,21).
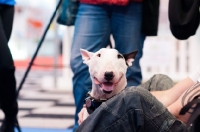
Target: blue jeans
(93,27)
(135,109)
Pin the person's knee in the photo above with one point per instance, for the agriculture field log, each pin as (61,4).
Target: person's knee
(76,63)
(72,62)
(138,94)
(162,81)
(158,82)
(132,94)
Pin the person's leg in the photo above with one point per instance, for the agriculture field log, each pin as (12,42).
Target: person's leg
(158,82)
(92,32)
(8,101)
(133,110)
(126,29)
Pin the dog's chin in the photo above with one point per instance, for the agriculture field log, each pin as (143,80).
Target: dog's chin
(107,92)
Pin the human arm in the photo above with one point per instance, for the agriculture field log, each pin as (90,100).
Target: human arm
(179,95)
(175,92)
(169,96)
(184,99)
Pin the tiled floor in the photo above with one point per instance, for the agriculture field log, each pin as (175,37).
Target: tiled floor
(39,108)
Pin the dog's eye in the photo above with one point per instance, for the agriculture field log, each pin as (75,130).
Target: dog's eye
(99,55)
(119,56)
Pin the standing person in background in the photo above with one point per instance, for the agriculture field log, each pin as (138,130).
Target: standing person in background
(129,21)
(8,99)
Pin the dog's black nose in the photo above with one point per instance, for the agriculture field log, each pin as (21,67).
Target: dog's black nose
(108,76)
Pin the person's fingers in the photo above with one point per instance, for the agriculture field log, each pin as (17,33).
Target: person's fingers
(80,115)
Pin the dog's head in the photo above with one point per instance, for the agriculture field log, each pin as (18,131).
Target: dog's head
(107,68)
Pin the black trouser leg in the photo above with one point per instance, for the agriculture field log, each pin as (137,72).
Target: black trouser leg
(8,99)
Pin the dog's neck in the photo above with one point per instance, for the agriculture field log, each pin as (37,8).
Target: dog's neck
(98,94)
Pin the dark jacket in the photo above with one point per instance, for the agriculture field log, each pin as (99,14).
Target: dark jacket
(69,9)
(150,17)
(183,17)
(67,12)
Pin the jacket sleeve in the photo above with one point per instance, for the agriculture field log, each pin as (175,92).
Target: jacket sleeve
(183,18)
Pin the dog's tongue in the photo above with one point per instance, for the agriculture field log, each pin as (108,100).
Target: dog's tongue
(107,86)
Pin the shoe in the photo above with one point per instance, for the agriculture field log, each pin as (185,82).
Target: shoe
(8,125)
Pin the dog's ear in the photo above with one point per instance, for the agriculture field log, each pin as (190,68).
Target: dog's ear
(130,57)
(86,56)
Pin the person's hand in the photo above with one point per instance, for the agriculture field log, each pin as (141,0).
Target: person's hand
(81,114)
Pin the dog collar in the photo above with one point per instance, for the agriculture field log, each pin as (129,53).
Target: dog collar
(92,103)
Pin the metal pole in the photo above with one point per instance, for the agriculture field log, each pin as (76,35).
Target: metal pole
(56,53)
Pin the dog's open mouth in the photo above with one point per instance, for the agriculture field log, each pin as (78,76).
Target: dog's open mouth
(107,87)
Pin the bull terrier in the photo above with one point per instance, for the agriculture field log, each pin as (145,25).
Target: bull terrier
(107,68)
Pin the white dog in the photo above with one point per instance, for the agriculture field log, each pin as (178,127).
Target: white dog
(107,68)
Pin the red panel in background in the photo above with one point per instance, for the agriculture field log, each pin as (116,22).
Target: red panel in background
(45,63)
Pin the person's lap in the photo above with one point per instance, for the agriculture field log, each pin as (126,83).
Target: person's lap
(134,109)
